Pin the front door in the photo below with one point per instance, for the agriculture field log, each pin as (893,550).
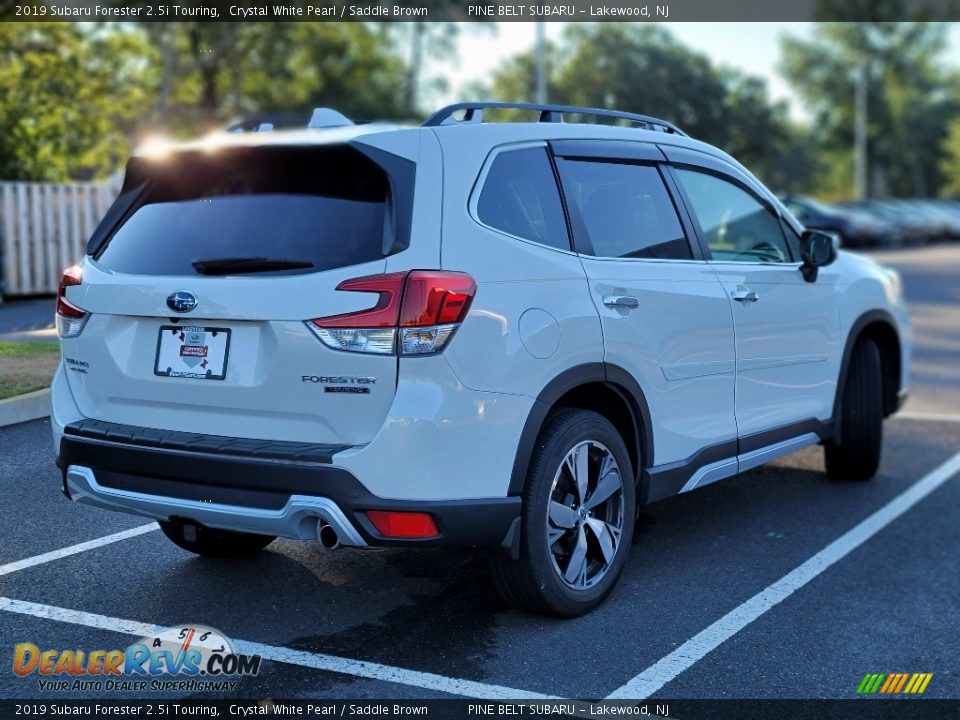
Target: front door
(788,339)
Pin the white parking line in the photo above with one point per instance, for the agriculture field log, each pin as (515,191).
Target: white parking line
(932,417)
(75,549)
(694,649)
(289,656)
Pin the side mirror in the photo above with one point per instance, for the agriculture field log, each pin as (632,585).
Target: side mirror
(817,249)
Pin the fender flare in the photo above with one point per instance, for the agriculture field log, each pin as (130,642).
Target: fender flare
(617,379)
(853,335)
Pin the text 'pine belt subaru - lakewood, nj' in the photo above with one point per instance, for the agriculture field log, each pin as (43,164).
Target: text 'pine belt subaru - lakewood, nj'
(499,334)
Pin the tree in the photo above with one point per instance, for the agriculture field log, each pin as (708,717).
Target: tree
(76,96)
(644,69)
(757,132)
(212,72)
(349,66)
(911,98)
(516,79)
(72,94)
(950,162)
(436,39)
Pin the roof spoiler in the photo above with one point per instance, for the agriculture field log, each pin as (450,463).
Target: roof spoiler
(321,118)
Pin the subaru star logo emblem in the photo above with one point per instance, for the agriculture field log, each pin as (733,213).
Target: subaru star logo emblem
(182,301)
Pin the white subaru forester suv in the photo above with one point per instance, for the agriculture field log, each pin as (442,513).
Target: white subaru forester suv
(501,334)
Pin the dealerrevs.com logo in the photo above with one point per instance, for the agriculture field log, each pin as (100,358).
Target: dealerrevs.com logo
(186,658)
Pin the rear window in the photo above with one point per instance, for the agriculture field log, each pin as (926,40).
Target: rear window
(520,197)
(301,209)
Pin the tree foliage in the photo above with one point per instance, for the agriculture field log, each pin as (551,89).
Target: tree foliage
(643,69)
(214,71)
(911,99)
(71,95)
(77,95)
(950,161)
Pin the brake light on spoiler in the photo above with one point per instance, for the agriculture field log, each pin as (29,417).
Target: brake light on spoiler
(416,314)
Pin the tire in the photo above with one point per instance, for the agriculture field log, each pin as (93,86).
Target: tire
(572,552)
(211,542)
(856,454)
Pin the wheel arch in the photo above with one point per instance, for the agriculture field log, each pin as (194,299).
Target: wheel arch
(879,326)
(604,388)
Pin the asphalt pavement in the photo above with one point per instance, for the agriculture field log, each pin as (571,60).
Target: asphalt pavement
(28,319)
(779,583)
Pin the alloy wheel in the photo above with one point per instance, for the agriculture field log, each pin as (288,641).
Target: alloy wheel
(585,515)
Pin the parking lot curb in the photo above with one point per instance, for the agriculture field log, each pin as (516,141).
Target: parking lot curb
(23,408)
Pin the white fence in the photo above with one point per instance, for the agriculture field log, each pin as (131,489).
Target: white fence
(45,228)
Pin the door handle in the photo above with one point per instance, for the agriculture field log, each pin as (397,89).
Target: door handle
(744,295)
(621,301)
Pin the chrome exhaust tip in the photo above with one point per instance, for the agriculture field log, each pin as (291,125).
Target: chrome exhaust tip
(328,536)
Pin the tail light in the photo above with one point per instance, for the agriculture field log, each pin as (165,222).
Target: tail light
(417,313)
(70,319)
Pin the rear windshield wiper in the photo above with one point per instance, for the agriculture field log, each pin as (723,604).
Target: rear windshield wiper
(226,266)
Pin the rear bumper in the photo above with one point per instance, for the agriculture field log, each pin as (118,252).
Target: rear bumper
(283,491)
(298,518)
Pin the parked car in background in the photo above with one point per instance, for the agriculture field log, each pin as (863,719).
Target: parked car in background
(878,223)
(946,219)
(951,207)
(914,226)
(856,229)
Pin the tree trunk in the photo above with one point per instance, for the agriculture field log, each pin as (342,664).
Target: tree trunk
(413,72)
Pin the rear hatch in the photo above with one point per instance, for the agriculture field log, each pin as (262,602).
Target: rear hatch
(202,281)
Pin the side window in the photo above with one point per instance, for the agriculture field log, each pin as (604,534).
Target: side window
(520,197)
(626,210)
(737,226)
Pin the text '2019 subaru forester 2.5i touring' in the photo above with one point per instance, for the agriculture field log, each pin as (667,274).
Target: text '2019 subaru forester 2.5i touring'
(499,334)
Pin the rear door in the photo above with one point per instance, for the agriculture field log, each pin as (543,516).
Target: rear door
(788,334)
(665,317)
(201,297)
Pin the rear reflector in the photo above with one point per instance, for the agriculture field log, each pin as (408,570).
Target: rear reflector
(416,314)
(70,319)
(393,524)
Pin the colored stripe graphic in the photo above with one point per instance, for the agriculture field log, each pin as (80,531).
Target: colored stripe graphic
(894,683)
(891,680)
(871,683)
(918,683)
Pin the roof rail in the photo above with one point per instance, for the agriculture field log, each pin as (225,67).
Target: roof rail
(473,113)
